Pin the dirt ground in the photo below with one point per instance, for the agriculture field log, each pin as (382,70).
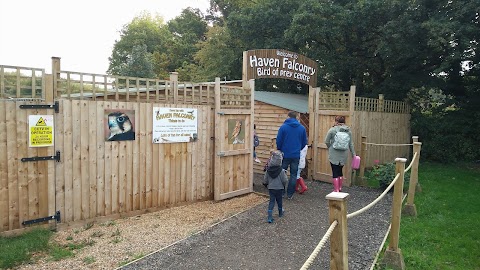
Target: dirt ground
(247,241)
(114,243)
(231,234)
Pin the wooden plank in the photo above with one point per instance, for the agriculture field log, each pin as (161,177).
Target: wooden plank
(108,169)
(67,158)
(175,172)
(136,160)
(114,169)
(85,159)
(100,170)
(77,160)
(4,181)
(13,200)
(143,148)
(168,178)
(58,167)
(42,175)
(129,168)
(183,171)
(122,167)
(29,188)
(93,121)
(26,171)
(155,158)
(148,127)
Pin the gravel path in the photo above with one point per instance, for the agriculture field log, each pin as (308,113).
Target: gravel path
(247,241)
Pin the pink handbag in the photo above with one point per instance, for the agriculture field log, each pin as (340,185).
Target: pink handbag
(356,162)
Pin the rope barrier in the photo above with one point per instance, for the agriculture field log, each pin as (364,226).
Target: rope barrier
(387,144)
(376,200)
(319,246)
(411,163)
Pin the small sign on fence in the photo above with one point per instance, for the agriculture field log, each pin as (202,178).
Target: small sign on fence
(40,129)
(172,125)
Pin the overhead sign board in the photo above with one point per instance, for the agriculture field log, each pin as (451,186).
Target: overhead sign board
(281,64)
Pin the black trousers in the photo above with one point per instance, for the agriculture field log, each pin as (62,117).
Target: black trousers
(336,170)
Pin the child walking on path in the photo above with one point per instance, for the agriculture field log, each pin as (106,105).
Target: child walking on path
(275,180)
(301,165)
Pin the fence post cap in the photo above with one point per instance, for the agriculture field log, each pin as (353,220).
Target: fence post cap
(403,160)
(337,196)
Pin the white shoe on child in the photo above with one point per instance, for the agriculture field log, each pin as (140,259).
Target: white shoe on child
(257,160)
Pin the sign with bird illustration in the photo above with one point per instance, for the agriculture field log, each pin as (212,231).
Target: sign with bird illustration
(40,130)
(173,125)
(236,131)
(119,125)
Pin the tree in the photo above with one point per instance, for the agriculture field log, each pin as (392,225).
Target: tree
(188,30)
(139,63)
(142,30)
(219,55)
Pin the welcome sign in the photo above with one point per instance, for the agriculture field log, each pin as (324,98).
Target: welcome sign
(280,64)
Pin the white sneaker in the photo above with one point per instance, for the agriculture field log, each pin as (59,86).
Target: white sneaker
(257,160)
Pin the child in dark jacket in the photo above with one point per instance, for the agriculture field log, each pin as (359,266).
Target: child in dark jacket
(275,180)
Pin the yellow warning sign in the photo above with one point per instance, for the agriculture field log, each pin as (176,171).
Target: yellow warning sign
(40,130)
(41,122)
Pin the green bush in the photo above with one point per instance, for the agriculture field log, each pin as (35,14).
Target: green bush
(385,173)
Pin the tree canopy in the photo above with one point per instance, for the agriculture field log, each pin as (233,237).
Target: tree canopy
(423,51)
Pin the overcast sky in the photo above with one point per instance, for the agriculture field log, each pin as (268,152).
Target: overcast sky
(81,33)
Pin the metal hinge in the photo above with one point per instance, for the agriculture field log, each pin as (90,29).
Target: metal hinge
(55,106)
(56,158)
(33,221)
(221,154)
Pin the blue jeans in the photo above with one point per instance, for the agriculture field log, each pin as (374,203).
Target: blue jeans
(275,195)
(293,163)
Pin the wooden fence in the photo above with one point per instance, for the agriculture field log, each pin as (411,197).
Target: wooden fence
(96,178)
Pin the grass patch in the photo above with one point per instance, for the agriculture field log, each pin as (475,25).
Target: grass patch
(18,249)
(444,235)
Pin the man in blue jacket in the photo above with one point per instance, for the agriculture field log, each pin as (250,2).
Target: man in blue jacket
(291,139)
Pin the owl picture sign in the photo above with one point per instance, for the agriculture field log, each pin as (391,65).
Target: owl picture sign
(174,125)
(119,125)
(236,131)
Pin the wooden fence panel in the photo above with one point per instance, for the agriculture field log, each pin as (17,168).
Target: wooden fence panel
(103,178)
(382,128)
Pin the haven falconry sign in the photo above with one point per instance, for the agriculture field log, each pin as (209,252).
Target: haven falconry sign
(279,64)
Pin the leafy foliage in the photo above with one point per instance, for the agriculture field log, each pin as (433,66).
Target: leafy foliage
(385,173)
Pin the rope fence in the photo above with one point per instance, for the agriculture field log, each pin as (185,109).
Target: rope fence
(390,144)
(320,245)
(337,203)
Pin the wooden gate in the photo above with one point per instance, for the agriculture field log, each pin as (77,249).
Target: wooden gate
(233,140)
(322,117)
(27,174)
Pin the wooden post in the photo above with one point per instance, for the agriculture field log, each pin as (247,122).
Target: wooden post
(363,162)
(410,208)
(311,154)
(56,75)
(417,186)
(217,177)
(251,85)
(337,202)
(174,80)
(393,255)
(381,102)
(348,181)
